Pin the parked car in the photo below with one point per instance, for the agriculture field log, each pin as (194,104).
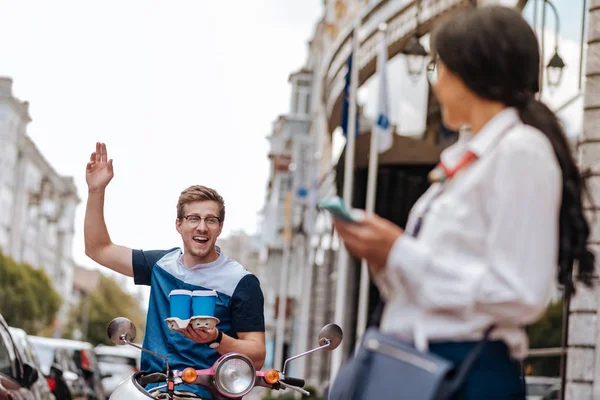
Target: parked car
(120,361)
(16,376)
(553,393)
(40,388)
(84,357)
(541,387)
(60,370)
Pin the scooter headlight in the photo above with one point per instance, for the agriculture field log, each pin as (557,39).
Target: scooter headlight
(234,375)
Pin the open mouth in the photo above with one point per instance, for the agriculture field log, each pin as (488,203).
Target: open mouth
(200,239)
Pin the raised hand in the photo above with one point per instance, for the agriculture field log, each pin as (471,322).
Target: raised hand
(99,170)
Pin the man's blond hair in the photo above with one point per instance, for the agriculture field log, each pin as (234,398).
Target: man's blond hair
(200,193)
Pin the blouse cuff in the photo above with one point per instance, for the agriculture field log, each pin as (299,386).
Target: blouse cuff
(384,285)
(408,259)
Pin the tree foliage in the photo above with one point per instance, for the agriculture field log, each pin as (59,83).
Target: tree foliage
(28,299)
(546,333)
(106,302)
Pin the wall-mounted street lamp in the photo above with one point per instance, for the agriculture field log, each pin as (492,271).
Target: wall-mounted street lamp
(414,51)
(556,65)
(415,56)
(555,69)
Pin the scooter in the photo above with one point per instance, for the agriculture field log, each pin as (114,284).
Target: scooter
(231,377)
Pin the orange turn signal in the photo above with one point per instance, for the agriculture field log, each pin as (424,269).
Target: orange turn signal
(271,376)
(189,375)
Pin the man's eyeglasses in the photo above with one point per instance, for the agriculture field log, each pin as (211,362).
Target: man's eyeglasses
(210,221)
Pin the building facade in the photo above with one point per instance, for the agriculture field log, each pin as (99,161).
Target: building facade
(583,357)
(300,260)
(38,205)
(241,247)
(281,237)
(304,268)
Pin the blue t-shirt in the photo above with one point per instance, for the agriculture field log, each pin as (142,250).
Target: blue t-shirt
(239,307)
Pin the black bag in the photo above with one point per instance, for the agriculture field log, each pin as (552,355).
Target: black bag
(387,368)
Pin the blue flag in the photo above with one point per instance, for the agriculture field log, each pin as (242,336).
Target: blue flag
(382,126)
(346,103)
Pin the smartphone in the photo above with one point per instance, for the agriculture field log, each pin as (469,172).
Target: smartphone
(337,208)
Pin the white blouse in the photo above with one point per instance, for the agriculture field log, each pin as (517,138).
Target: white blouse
(487,250)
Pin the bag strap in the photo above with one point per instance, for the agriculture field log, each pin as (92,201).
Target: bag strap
(465,366)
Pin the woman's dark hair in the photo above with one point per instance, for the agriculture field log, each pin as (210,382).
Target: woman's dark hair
(495,52)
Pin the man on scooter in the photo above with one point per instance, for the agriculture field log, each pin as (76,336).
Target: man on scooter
(200,266)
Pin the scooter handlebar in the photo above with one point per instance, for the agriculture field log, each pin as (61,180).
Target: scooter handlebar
(294,381)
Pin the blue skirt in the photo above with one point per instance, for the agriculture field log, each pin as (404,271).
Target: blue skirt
(494,376)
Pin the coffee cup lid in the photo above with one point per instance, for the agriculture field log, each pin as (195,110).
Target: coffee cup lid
(204,293)
(180,291)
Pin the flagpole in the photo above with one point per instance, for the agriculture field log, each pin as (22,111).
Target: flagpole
(283,281)
(308,270)
(363,299)
(343,257)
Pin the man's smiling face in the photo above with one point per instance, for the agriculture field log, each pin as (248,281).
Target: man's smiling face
(199,229)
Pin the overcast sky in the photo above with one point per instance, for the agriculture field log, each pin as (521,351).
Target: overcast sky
(183,92)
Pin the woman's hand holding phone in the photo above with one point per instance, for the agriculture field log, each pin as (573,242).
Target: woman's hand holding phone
(338,210)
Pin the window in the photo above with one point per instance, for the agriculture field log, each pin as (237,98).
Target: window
(121,360)
(296,104)
(45,356)
(6,204)
(307,104)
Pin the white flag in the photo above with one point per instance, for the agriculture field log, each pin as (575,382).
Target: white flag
(382,123)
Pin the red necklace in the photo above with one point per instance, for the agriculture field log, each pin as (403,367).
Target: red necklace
(442,173)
